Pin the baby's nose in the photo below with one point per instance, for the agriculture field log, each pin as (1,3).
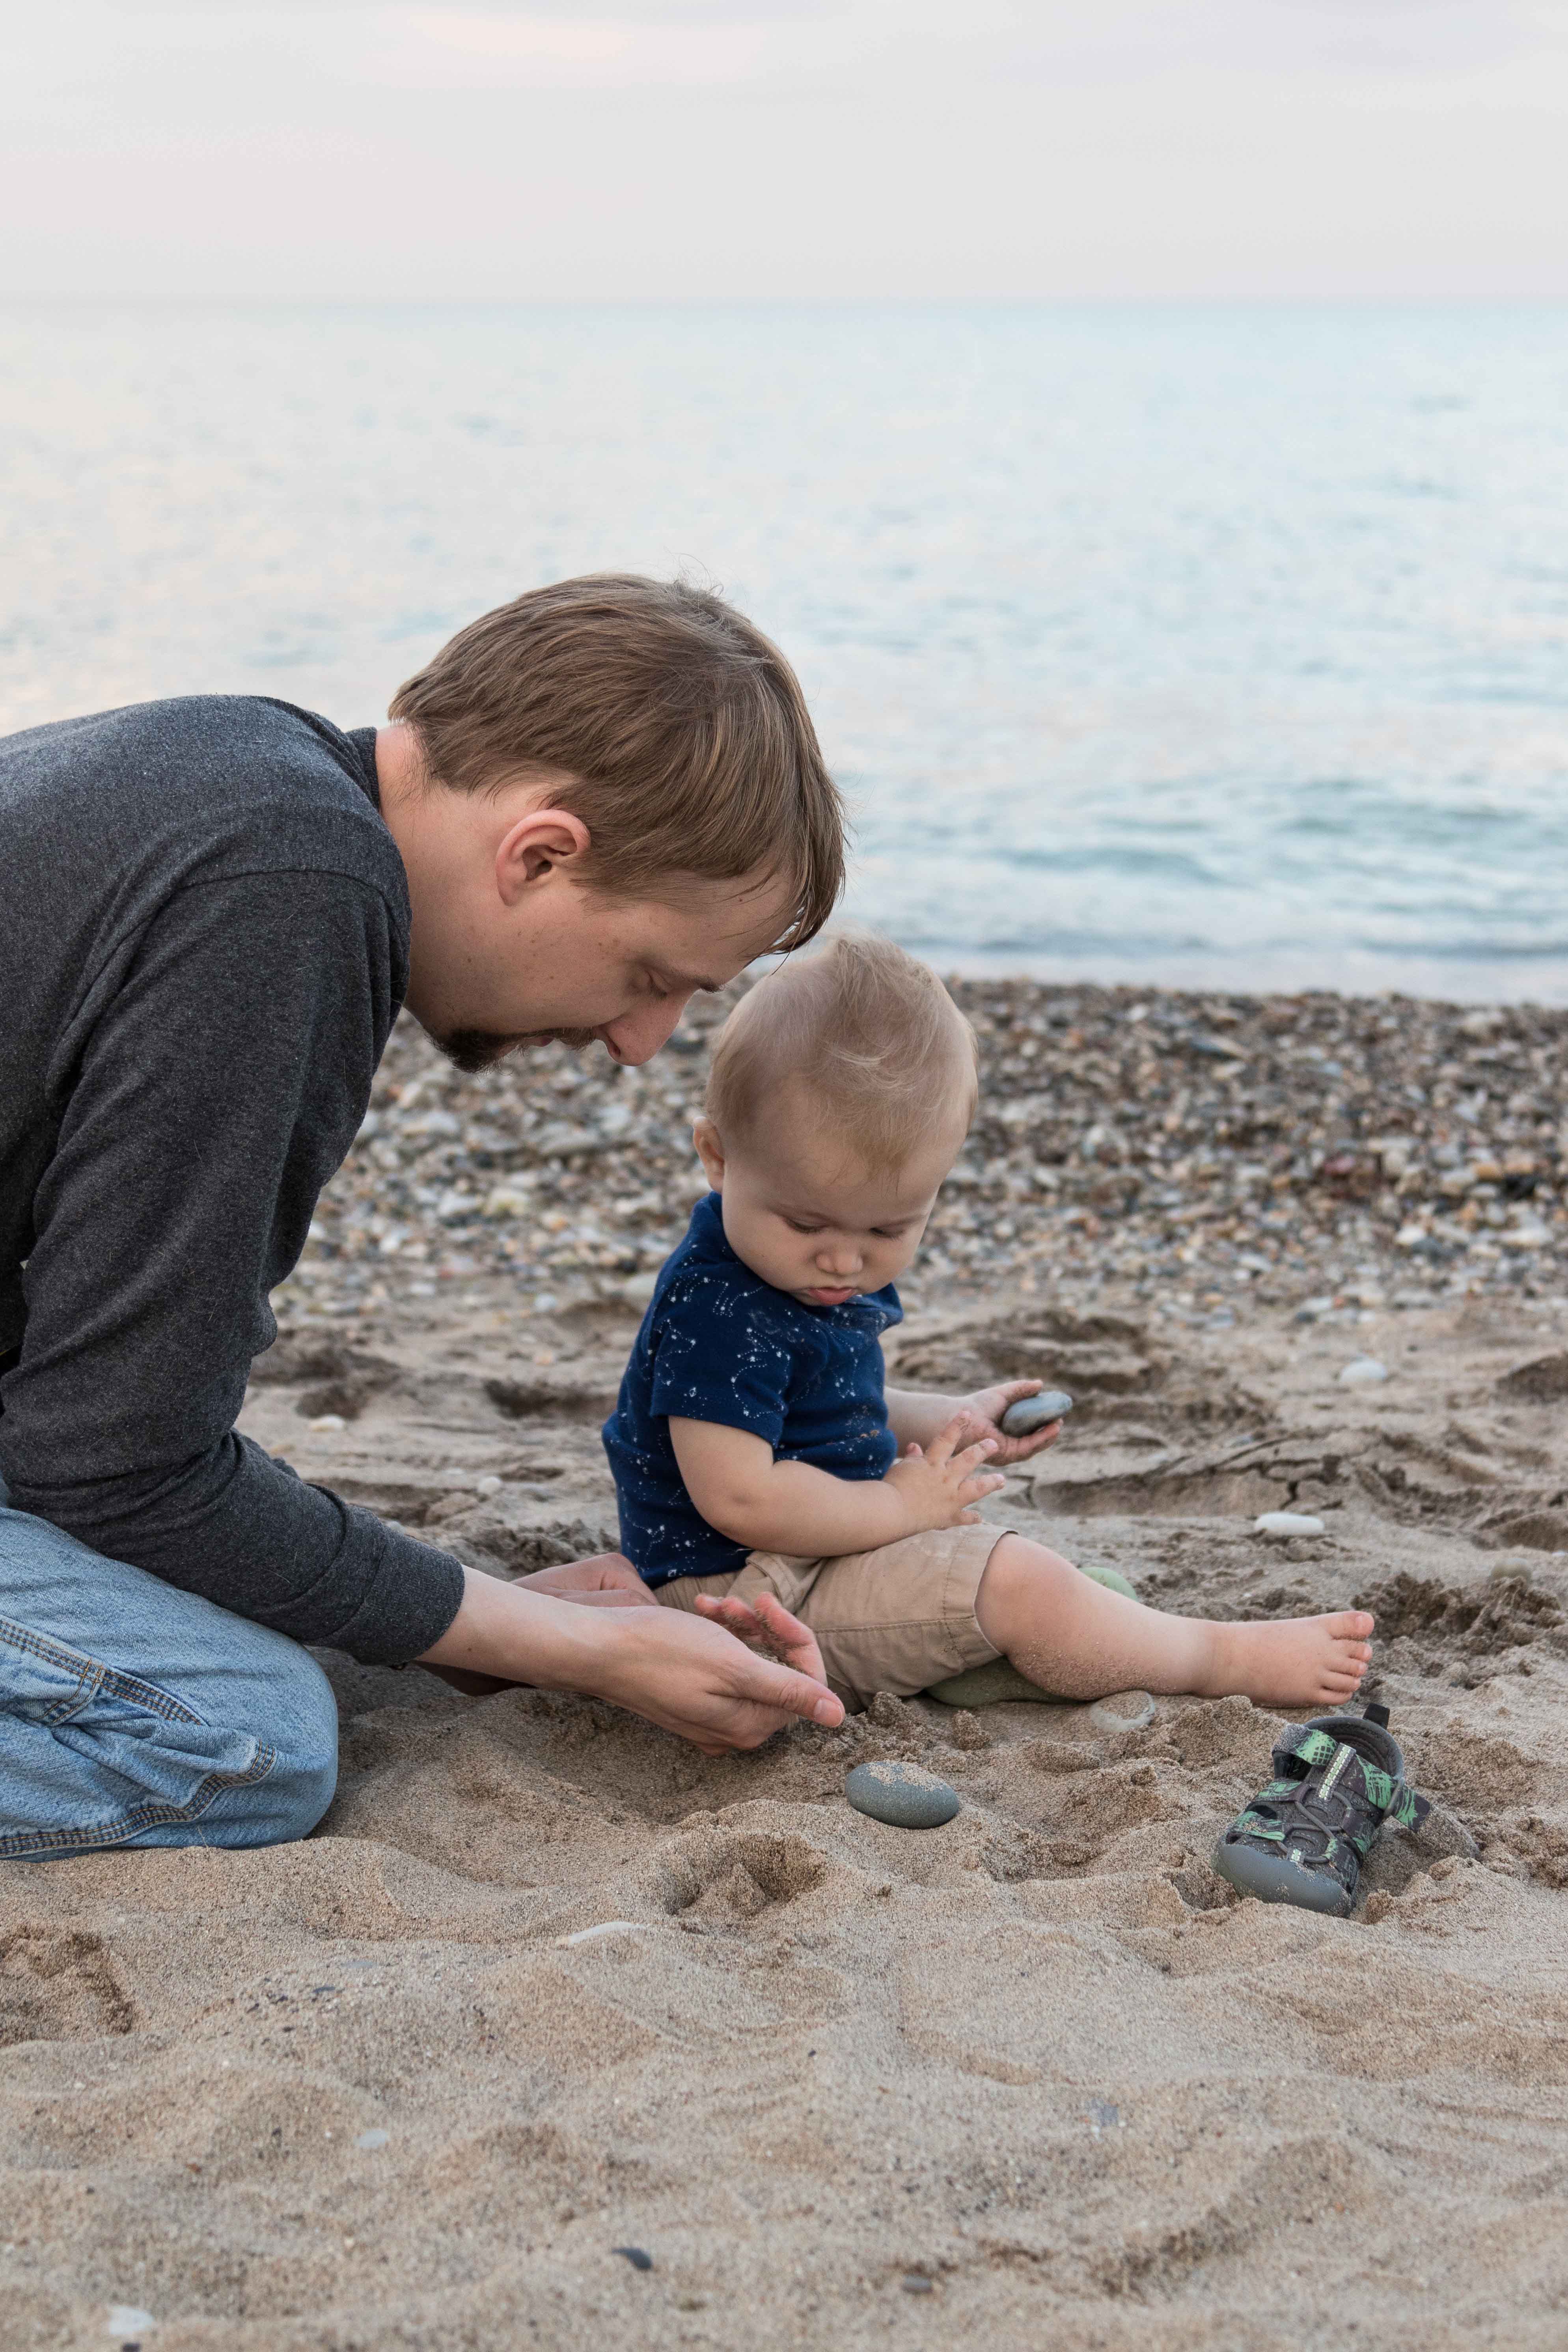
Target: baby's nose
(840,1257)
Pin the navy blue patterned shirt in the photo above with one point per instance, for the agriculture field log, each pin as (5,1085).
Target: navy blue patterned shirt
(718,1343)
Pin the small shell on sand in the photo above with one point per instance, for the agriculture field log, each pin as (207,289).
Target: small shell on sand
(1122,1711)
(592,1934)
(1285,1523)
(902,1794)
(1363,1372)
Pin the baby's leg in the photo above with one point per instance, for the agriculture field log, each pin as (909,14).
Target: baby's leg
(1069,1634)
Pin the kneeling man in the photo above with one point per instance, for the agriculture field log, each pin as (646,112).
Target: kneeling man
(593,802)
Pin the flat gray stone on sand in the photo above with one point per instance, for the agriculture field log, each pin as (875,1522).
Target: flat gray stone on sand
(1022,1420)
(902,1794)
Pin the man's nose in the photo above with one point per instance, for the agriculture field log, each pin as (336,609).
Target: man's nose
(635,1037)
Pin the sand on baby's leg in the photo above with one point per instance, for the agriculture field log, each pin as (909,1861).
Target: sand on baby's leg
(1076,1638)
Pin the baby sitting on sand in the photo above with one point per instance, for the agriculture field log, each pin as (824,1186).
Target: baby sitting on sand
(761,1465)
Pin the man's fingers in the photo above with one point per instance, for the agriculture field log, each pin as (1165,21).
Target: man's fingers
(726,1612)
(795,1641)
(768,1621)
(795,1694)
(778,1617)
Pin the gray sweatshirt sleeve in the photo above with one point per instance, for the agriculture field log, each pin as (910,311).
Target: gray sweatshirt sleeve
(214,1097)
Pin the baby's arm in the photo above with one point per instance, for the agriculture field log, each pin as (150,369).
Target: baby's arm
(790,1507)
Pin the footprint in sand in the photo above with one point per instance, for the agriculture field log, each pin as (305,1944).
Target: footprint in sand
(61,1984)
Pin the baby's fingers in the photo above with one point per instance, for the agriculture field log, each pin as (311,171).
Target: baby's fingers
(941,1450)
(966,1464)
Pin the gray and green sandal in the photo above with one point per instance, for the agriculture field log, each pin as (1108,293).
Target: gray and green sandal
(1303,1839)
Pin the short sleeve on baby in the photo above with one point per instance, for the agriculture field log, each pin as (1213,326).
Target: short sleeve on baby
(724,1353)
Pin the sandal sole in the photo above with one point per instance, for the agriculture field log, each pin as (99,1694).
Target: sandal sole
(1276,1878)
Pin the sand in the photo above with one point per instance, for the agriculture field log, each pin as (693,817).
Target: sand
(1035,2078)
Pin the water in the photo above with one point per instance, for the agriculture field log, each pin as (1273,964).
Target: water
(1214,647)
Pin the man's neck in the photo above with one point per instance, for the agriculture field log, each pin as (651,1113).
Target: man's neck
(399,770)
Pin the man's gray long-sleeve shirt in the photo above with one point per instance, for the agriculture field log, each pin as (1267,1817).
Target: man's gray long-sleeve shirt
(204,944)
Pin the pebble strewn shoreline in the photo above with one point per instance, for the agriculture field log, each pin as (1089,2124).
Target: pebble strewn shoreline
(1334,1153)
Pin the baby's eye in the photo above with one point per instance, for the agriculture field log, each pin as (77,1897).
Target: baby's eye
(796,1227)
(889,1233)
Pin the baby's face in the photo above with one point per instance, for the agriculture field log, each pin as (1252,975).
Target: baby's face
(802,1213)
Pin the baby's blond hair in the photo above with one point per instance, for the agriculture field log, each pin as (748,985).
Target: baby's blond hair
(875,1037)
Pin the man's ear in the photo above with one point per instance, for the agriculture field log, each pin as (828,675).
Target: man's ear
(537,844)
(710,1151)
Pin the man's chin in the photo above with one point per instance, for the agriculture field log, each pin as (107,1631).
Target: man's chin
(481,1049)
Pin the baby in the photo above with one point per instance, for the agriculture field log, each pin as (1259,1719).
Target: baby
(763,1465)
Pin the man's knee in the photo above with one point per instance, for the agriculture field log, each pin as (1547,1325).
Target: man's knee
(301,1731)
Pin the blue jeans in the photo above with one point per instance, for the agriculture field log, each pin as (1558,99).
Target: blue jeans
(133,1714)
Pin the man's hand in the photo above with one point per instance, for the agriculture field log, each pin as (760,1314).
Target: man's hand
(697,1680)
(608,1581)
(939,1487)
(688,1676)
(766,1625)
(979,1416)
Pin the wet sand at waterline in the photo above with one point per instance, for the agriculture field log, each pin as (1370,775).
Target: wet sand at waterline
(1036,2072)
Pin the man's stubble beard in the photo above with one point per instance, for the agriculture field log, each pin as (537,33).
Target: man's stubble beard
(473,1050)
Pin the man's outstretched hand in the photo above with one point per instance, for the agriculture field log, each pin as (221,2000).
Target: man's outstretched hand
(715,1690)
(686,1675)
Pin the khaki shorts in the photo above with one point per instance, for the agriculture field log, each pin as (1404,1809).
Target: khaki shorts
(897,1619)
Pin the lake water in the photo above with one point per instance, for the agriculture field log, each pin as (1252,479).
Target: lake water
(1215,647)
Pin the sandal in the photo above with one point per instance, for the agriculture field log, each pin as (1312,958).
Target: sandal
(1303,1839)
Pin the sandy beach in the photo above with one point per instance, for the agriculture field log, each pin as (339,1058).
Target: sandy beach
(557,2032)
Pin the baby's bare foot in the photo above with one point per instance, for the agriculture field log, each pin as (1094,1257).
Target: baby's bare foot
(1294,1661)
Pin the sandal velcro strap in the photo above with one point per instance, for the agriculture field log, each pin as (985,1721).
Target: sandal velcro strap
(1304,1747)
(1304,1837)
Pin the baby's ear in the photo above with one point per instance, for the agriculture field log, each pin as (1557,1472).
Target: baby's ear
(710,1151)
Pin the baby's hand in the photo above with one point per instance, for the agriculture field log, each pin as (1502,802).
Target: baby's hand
(939,1488)
(981,1416)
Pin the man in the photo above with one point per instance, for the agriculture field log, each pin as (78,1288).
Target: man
(593,802)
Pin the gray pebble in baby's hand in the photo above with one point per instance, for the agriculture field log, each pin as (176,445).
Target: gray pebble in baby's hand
(1022,1420)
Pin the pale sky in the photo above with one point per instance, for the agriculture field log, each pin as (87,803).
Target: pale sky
(1357,149)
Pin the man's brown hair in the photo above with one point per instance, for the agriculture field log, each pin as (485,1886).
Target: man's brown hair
(683,730)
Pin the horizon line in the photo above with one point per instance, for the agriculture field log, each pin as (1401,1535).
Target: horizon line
(21,297)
